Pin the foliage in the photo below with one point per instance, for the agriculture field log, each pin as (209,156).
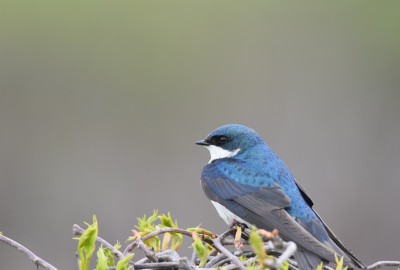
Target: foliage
(123,263)
(257,244)
(212,251)
(202,250)
(87,244)
(102,261)
(146,226)
(171,240)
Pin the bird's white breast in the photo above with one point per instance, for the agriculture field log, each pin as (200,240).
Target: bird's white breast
(227,215)
(218,152)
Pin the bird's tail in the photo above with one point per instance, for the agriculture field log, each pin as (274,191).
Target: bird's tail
(341,249)
(307,260)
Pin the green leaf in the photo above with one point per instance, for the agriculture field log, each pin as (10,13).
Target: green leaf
(242,258)
(146,226)
(175,238)
(284,266)
(110,257)
(320,266)
(123,263)
(166,221)
(252,266)
(201,250)
(117,246)
(257,245)
(145,223)
(339,263)
(101,260)
(87,244)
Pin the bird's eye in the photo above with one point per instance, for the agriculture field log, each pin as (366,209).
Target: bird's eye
(218,140)
(222,139)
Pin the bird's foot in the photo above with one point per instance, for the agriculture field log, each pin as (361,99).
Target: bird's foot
(236,223)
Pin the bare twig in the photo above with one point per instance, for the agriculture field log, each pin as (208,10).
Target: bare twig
(158,265)
(215,260)
(222,249)
(78,231)
(383,263)
(289,248)
(134,244)
(181,264)
(32,256)
(194,256)
(140,244)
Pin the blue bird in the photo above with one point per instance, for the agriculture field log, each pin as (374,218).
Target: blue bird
(248,183)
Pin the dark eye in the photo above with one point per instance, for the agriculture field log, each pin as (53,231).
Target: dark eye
(218,140)
(222,140)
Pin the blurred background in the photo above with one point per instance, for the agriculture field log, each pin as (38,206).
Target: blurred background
(101,102)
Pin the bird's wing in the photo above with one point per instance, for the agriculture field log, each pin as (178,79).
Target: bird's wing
(258,197)
(262,207)
(336,241)
(305,195)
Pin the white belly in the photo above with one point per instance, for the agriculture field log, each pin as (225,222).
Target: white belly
(227,215)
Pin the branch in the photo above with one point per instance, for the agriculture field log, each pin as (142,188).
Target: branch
(78,231)
(140,244)
(32,256)
(181,264)
(134,244)
(222,249)
(383,263)
(291,248)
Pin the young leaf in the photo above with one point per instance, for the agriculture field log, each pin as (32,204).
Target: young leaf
(320,266)
(166,240)
(201,250)
(101,260)
(146,226)
(123,263)
(284,266)
(175,238)
(87,244)
(117,246)
(110,257)
(339,263)
(252,266)
(257,246)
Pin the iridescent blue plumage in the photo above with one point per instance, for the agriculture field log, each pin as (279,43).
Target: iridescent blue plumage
(248,181)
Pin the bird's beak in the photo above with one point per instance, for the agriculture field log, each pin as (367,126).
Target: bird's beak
(202,142)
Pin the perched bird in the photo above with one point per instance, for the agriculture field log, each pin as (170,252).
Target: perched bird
(248,183)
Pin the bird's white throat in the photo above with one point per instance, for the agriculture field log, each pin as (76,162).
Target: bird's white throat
(218,152)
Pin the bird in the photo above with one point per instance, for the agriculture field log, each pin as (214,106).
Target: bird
(249,184)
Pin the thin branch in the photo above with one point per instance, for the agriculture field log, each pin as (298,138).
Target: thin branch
(134,244)
(32,256)
(158,265)
(181,264)
(215,260)
(221,248)
(78,231)
(383,263)
(147,252)
(289,249)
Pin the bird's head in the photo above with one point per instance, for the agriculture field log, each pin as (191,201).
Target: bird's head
(230,140)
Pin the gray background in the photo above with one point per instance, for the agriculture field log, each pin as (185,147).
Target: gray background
(100,104)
